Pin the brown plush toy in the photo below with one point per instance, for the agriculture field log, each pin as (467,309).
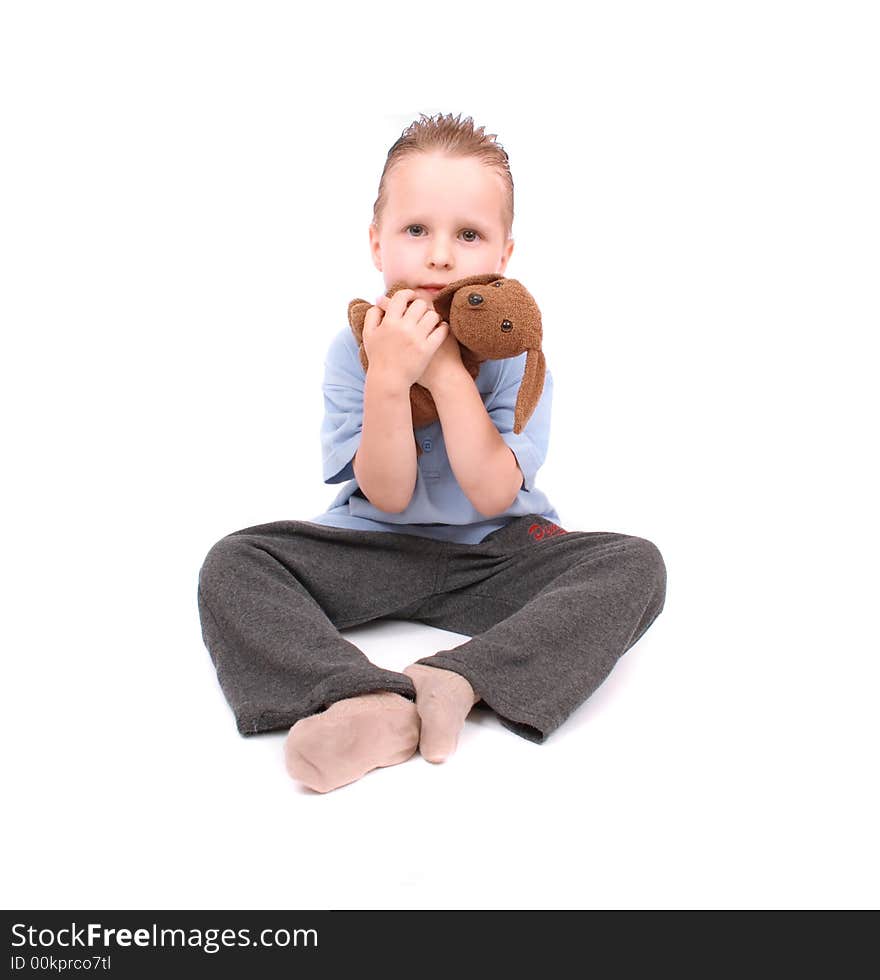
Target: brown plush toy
(497,321)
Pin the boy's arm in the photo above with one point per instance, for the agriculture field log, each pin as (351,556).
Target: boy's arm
(399,351)
(484,465)
(385,462)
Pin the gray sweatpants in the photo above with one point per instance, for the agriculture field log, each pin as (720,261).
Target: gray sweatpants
(548,611)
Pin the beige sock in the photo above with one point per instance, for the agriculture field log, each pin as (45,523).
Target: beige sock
(443,700)
(353,736)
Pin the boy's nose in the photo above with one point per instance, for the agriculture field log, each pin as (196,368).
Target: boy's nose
(440,255)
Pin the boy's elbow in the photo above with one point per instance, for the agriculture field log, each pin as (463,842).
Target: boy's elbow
(389,505)
(492,506)
(495,506)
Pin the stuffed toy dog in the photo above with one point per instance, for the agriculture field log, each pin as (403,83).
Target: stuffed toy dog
(497,321)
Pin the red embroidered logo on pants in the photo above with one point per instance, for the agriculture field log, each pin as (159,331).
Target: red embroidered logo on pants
(540,531)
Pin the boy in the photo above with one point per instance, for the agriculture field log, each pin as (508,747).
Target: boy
(458,538)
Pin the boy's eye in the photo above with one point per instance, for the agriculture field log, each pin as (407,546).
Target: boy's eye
(466,231)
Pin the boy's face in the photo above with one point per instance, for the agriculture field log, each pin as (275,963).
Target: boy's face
(442,221)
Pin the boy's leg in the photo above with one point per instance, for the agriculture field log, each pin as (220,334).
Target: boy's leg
(272,599)
(550,613)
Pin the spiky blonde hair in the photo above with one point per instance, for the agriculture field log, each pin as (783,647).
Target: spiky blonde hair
(453,136)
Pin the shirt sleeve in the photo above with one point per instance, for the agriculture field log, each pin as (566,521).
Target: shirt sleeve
(341,426)
(530,446)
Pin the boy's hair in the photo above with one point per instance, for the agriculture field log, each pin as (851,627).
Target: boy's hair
(454,137)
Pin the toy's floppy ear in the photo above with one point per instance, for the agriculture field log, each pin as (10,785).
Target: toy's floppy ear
(530,389)
(357,315)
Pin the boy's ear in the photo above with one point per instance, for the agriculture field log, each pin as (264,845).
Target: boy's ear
(505,255)
(375,251)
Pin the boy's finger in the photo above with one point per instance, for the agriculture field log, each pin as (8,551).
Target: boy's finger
(398,302)
(439,334)
(373,317)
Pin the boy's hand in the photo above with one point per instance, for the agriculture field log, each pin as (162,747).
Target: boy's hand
(446,362)
(401,336)
(447,358)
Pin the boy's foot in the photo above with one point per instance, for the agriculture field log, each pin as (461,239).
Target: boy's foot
(353,736)
(443,700)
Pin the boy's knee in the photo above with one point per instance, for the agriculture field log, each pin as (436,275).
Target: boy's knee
(646,555)
(219,561)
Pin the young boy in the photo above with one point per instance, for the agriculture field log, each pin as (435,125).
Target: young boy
(458,537)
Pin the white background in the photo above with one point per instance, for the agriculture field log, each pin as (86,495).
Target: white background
(185,194)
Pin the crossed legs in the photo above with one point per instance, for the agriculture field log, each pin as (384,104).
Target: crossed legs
(371,731)
(548,618)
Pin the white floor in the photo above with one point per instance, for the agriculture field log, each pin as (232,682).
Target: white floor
(726,762)
(185,217)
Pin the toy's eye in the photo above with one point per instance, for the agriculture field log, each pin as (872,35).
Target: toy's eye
(475,299)
(506,326)
(499,283)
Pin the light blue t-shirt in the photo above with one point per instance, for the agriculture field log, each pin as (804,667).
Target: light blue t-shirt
(439,508)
